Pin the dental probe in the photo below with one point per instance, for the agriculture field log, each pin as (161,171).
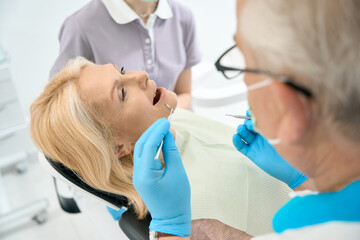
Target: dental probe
(171,110)
(169,117)
(238,116)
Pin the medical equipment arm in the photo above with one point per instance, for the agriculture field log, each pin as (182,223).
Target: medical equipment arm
(258,150)
(165,192)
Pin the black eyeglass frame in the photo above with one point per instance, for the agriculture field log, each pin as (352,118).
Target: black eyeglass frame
(283,79)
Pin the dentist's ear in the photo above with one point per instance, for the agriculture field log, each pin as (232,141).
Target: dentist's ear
(295,113)
(124,149)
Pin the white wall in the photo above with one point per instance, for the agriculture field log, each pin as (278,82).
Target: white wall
(28,32)
(29,29)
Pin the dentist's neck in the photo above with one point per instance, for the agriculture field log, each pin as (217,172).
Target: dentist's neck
(339,165)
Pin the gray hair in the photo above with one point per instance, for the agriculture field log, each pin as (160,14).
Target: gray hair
(317,43)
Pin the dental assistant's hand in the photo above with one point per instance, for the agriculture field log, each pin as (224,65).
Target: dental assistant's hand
(265,156)
(166,192)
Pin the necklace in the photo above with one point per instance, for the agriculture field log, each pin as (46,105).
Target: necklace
(145,15)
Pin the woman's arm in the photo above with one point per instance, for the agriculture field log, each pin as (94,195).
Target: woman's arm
(211,229)
(183,89)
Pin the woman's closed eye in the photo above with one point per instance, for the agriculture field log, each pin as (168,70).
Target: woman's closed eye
(122,94)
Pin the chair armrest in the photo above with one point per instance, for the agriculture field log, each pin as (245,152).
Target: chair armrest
(215,97)
(134,228)
(212,89)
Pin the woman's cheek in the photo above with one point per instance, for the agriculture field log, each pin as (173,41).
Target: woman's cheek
(172,99)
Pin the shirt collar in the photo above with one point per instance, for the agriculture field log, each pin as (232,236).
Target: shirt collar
(302,193)
(122,13)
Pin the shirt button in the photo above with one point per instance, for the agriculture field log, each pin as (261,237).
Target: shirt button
(149,61)
(147,40)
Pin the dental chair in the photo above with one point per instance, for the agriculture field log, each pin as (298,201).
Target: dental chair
(207,99)
(128,222)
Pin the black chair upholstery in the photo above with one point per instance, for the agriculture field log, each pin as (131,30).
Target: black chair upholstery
(117,200)
(133,228)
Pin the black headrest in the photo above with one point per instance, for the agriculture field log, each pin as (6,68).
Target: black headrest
(117,200)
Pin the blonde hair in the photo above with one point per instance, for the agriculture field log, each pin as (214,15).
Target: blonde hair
(69,130)
(317,43)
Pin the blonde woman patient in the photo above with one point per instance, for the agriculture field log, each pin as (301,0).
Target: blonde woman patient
(89,118)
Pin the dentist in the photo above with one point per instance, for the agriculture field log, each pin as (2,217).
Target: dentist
(303,77)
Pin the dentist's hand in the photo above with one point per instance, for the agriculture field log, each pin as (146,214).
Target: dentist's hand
(166,192)
(265,156)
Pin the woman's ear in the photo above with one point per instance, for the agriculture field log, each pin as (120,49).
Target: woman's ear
(124,149)
(295,109)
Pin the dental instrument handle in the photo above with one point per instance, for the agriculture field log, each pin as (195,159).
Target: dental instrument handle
(238,116)
(159,151)
(169,117)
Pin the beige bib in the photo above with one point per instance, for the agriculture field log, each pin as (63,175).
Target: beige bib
(225,185)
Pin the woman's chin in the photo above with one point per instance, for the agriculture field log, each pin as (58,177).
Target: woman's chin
(171,99)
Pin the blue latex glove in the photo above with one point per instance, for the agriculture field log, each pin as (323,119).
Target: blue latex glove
(166,192)
(116,214)
(265,156)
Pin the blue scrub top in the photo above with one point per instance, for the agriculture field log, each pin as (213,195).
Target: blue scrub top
(299,212)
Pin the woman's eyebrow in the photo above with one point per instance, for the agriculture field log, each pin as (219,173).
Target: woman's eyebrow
(114,86)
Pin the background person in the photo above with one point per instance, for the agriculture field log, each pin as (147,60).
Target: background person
(302,76)
(157,36)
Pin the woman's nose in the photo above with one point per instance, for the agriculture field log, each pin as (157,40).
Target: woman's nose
(142,78)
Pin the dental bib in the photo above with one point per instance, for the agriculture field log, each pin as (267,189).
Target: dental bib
(225,185)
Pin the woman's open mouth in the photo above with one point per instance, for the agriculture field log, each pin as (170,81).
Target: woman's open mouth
(159,95)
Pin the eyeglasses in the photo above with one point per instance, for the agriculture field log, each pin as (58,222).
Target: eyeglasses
(232,63)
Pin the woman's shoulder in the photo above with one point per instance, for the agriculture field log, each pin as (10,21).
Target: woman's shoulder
(187,117)
(202,127)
